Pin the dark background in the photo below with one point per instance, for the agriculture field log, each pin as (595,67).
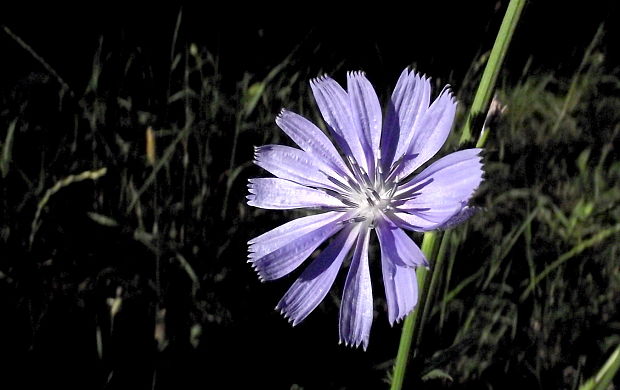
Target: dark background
(445,36)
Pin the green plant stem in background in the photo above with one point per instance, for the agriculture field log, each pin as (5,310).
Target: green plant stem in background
(577,249)
(59,185)
(413,323)
(572,96)
(606,374)
(37,57)
(491,71)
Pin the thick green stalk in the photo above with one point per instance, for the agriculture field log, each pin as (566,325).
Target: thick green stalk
(491,71)
(435,275)
(414,322)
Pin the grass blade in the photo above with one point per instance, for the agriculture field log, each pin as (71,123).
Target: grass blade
(603,378)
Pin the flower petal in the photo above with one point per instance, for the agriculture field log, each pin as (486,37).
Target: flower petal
(292,164)
(452,162)
(279,194)
(398,246)
(284,234)
(314,283)
(333,102)
(294,251)
(409,101)
(356,311)
(399,257)
(366,113)
(312,140)
(441,190)
(419,221)
(431,134)
(463,215)
(401,287)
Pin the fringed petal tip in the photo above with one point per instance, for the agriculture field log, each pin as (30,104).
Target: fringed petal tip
(256,269)
(447,94)
(411,72)
(354,344)
(259,272)
(319,79)
(481,153)
(294,321)
(447,91)
(251,186)
(356,73)
(284,115)
(399,319)
(282,112)
(252,254)
(287,316)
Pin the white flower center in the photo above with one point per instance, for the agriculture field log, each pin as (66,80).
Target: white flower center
(370,195)
(370,202)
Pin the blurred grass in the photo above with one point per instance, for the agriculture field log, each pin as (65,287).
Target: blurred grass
(532,299)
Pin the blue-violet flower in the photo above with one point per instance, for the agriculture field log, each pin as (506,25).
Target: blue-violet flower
(362,186)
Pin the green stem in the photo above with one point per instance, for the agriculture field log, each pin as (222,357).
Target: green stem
(414,323)
(435,274)
(606,374)
(491,71)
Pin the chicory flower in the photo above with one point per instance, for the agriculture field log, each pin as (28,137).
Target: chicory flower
(364,183)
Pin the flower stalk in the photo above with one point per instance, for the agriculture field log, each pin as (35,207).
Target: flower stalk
(485,90)
(411,325)
(414,322)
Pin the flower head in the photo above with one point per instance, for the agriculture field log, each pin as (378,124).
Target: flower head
(362,185)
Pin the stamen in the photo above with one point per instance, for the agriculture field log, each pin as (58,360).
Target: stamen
(359,172)
(348,202)
(366,178)
(379,170)
(374,193)
(338,183)
(354,185)
(339,209)
(344,198)
(399,164)
(392,190)
(395,168)
(414,191)
(354,220)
